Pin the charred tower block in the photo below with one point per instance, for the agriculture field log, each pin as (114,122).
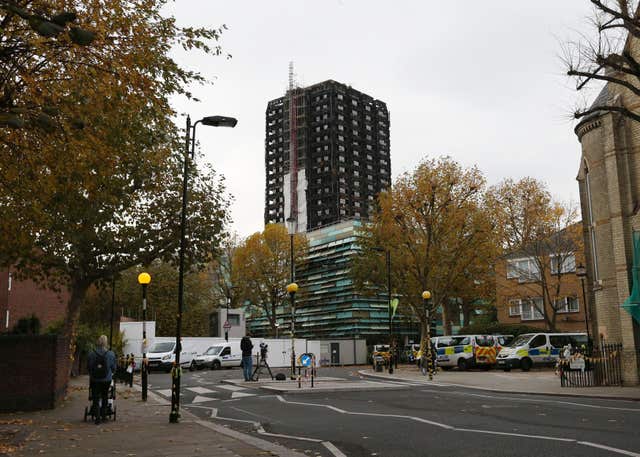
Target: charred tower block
(326,155)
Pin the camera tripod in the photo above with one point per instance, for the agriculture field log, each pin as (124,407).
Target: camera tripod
(261,364)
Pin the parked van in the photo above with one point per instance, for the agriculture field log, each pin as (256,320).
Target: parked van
(465,351)
(162,355)
(537,348)
(220,355)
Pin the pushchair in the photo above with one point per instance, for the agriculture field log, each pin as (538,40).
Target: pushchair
(111,406)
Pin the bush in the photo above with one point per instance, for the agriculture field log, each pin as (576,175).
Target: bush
(498,328)
(27,326)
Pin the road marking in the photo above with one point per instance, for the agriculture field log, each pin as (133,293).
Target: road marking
(334,450)
(200,390)
(233,388)
(532,400)
(165,392)
(202,399)
(607,448)
(241,394)
(452,428)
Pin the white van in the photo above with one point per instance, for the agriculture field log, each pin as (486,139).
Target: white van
(162,355)
(220,355)
(537,348)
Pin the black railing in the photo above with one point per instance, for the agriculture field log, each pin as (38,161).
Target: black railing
(594,367)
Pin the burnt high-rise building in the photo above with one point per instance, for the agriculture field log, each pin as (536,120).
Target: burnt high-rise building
(326,155)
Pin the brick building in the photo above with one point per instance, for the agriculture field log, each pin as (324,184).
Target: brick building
(326,155)
(609,181)
(22,299)
(523,298)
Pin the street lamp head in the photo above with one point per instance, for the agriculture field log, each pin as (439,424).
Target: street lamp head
(219,121)
(291,225)
(144,278)
(426,295)
(581,271)
(292,288)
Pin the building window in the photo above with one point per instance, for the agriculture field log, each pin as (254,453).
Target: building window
(567,305)
(592,225)
(568,263)
(530,309)
(523,269)
(514,308)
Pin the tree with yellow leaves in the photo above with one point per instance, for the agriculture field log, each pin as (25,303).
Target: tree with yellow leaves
(434,223)
(98,189)
(261,269)
(541,240)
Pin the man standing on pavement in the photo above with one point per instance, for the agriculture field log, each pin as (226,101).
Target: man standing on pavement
(247,358)
(101,364)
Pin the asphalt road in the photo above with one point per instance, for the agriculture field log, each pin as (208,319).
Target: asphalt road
(417,419)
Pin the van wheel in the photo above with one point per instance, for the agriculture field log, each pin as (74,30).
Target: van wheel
(192,367)
(525,364)
(216,365)
(462,364)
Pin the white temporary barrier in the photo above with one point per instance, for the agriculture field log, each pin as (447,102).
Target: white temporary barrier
(278,350)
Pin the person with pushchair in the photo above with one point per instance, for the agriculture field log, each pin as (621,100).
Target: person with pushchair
(101,364)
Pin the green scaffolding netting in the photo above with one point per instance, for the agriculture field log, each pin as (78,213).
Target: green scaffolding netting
(632,304)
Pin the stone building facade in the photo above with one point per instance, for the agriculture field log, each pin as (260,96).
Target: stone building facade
(609,181)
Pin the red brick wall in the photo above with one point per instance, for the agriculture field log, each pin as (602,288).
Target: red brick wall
(35,371)
(27,298)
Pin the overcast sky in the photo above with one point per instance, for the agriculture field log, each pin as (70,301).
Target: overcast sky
(481,82)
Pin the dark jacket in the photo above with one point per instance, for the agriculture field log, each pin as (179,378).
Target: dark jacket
(246,345)
(110,358)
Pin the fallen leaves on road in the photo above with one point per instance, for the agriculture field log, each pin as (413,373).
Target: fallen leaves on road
(16,422)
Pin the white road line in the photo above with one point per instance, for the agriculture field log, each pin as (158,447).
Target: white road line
(241,394)
(165,392)
(233,388)
(533,400)
(607,448)
(488,432)
(200,390)
(334,450)
(201,399)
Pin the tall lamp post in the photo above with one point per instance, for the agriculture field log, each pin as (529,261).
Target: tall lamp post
(113,304)
(426,295)
(226,330)
(387,254)
(144,279)
(190,143)
(292,289)
(581,272)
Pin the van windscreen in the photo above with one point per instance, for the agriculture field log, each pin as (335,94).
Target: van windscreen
(162,347)
(484,340)
(521,340)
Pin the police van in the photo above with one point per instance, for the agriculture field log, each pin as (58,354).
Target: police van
(537,348)
(466,351)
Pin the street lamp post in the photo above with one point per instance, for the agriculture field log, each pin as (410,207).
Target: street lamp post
(144,279)
(276,326)
(190,142)
(226,330)
(426,295)
(292,289)
(581,272)
(113,304)
(392,354)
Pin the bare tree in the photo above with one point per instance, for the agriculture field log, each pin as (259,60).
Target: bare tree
(608,55)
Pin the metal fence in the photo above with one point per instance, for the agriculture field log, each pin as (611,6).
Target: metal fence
(598,366)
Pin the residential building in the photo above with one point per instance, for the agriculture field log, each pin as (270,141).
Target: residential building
(539,287)
(609,182)
(326,155)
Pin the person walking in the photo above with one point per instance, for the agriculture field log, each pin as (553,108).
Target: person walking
(247,358)
(101,364)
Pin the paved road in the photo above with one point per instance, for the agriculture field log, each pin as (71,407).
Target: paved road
(417,420)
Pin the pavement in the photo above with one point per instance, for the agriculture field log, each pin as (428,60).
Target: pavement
(541,382)
(141,430)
